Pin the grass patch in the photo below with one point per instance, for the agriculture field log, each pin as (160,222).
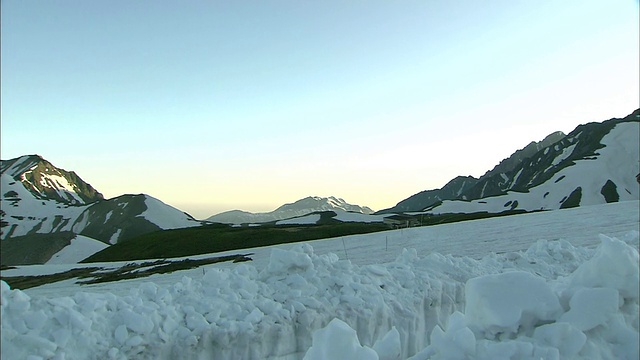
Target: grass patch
(29,281)
(218,238)
(428,220)
(19,250)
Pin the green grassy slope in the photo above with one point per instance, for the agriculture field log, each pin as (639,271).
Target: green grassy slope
(218,238)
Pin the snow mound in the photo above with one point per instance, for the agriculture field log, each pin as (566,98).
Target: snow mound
(553,301)
(615,265)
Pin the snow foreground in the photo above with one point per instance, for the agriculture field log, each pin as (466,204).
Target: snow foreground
(553,301)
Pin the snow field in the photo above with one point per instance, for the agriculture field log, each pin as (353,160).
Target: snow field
(553,301)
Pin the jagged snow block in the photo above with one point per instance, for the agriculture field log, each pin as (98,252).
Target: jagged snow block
(615,265)
(591,307)
(285,262)
(458,342)
(509,302)
(563,336)
(389,347)
(338,341)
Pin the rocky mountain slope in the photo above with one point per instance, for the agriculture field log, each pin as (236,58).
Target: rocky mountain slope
(47,182)
(594,164)
(458,187)
(301,207)
(44,207)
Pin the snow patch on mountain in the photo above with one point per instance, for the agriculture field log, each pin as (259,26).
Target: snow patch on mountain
(166,216)
(114,238)
(25,214)
(60,185)
(566,152)
(81,247)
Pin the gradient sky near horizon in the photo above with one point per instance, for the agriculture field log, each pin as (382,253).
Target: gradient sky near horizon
(219,105)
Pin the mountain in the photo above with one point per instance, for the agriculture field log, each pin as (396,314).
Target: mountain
(47,182)
(44,207)
(299,208)
(452,190)
(528,151)
(127,216)
(458,187)
(596,163)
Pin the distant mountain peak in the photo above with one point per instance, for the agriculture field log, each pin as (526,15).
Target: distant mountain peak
(318,203)
(300,207)
(41,201)
(48,182)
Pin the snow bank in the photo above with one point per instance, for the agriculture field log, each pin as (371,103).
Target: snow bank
(590,314)
(552,301)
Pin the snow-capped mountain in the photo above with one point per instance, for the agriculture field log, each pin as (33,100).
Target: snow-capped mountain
(299,208)
(596,163)
(39,199)
(528,151)
(458,187)
(47,182)
(127,216)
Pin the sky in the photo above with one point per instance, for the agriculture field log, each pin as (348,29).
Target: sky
(218,105)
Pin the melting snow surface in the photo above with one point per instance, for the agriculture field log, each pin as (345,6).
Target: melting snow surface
(554,300)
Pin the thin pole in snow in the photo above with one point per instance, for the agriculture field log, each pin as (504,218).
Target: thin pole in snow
(345,249)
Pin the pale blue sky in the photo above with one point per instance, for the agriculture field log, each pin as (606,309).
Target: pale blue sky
(217,105)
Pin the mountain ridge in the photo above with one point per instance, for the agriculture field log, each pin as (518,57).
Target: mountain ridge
(458,186)
(40,201)
(45,181)
(595,163)
(539,167)
(301,207)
